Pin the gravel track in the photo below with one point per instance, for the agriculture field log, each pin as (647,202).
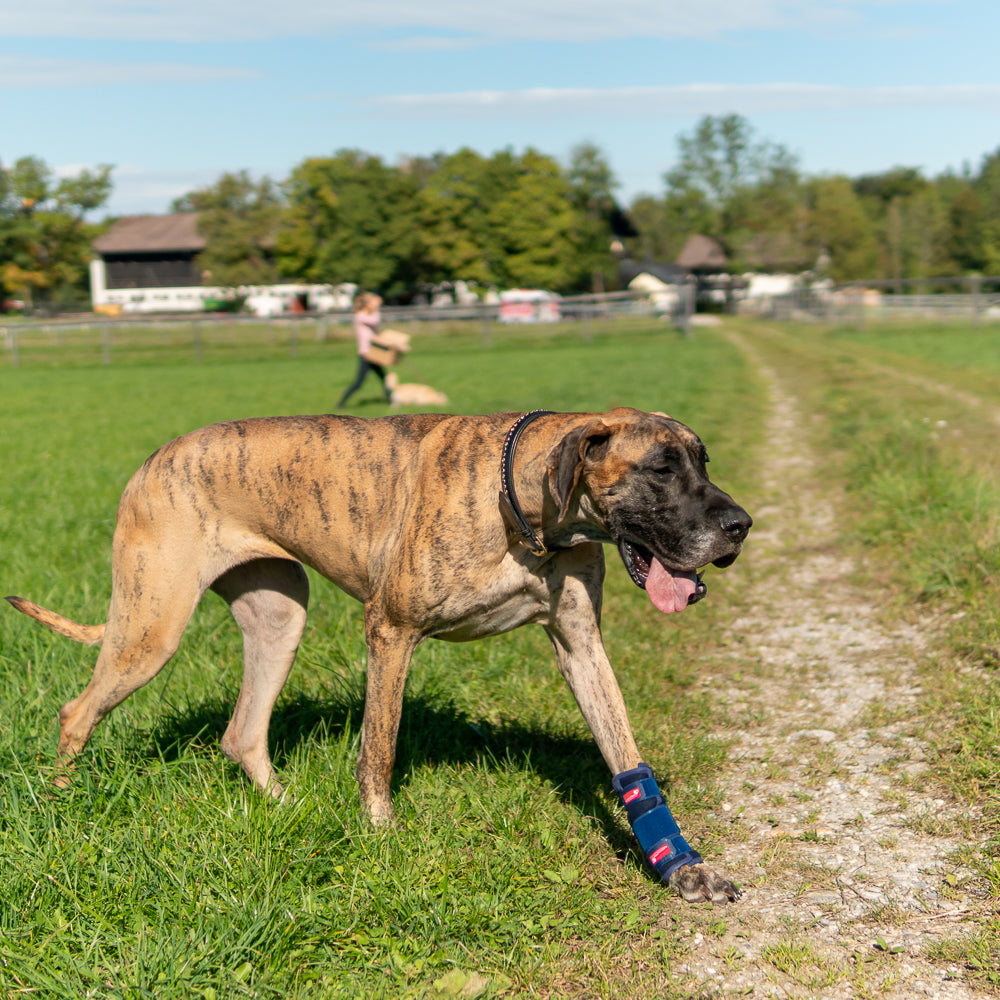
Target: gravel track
(850,859)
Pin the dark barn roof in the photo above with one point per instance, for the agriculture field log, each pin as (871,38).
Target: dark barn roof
(138,234)
(702,253)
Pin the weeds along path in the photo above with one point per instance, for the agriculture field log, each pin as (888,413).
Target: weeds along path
(849,859)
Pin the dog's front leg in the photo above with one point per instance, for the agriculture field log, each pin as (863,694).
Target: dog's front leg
(389,652)
(575,634)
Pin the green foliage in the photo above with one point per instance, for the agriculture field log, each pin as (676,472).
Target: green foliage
(350,219)
(749,194)
(456,239)
(523,219)
(740,190)
(978,953)
(840,227)
(533,221)
(239,218)
(44,238)
(592,186)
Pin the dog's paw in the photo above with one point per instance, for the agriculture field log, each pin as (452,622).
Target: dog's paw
(698,883)
(382,816)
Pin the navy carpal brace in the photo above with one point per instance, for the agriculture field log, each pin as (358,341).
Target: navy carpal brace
(653,825)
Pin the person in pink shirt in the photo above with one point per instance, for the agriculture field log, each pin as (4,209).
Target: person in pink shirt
(366,320)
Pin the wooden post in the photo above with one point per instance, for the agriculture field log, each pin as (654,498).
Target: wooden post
(687,305)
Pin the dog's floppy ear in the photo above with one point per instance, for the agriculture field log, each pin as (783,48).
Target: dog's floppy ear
(566,459)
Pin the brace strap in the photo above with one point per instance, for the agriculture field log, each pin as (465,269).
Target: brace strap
(652,823)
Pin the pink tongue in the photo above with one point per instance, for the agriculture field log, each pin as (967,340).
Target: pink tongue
(669,592)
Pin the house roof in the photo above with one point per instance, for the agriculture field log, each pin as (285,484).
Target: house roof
(702,253)
(151,233)
(670,274)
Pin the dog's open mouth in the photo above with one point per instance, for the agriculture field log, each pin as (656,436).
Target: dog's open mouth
(668,589)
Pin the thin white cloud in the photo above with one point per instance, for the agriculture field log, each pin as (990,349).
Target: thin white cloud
(139,190)
(31,71)
(695,98)
(426,43)
(542,20)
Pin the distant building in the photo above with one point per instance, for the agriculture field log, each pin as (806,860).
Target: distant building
(702,255)
(662,282)
(707,261)
(149,264)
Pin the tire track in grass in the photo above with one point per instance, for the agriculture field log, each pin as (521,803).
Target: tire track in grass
(965,398)
(849,863)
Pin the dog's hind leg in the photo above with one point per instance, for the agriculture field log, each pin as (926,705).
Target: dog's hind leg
(268,599)
(144,629)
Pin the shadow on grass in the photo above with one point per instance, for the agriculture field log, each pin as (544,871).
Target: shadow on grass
(433,730)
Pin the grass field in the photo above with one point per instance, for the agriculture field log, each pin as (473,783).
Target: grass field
(159,872)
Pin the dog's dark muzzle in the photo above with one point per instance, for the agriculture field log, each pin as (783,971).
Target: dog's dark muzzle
(735,525)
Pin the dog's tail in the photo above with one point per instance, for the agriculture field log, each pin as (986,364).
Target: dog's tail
(91,635)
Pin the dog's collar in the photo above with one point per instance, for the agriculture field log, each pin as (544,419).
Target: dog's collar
(509,507)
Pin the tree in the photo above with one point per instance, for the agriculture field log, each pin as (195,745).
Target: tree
(986,185)
(839,227)
(456,238)
(592,191)
(351,218)
(911,220)
(507,220)
(656,238)
(534,222)
(968,232)
(44,237)
(239,218)
(743,191)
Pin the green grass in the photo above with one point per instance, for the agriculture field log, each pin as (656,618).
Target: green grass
(159,872)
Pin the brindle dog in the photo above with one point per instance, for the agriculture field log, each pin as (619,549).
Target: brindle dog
(402,513)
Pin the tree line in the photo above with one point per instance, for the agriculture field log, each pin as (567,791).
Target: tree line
(523,219)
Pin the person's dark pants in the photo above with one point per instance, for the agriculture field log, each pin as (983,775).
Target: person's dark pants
(364,367)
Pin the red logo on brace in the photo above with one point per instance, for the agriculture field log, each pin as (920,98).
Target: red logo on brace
(631,795)
(660,853)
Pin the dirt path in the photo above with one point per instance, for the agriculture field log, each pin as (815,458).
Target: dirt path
(849,865)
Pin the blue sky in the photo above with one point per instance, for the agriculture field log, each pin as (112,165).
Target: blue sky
(174,94)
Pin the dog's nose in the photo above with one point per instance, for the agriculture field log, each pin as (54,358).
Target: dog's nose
(736,524)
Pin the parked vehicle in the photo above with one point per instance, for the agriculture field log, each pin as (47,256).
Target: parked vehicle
(529,305)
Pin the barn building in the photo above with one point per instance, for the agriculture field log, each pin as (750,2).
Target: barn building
(149,264)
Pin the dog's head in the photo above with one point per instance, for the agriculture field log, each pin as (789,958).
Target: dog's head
(639,479)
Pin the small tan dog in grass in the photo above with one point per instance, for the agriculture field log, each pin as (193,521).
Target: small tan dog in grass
(412,393)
